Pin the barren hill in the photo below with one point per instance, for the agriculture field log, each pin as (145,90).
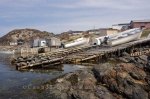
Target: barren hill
(24,34)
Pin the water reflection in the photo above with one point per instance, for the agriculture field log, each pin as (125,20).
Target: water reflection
(12,81)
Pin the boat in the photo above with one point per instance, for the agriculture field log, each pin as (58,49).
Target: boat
(77,42)
(98,40)
(124,37)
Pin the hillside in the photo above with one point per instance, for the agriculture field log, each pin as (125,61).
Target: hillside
(24,34)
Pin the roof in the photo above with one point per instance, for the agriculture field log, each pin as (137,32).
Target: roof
(121,24)
(94,30)
(140,20)
(107,29)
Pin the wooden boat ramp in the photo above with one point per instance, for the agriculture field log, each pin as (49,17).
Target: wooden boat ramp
(79,55)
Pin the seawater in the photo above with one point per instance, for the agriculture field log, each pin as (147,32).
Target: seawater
(13,83)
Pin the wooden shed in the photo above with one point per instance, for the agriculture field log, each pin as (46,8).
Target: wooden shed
(53,42)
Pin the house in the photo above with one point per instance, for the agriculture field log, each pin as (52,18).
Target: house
(73,33)
(108,31)
(93,31)
(13,43)
(16,42)
(121,27)
(143,24)
(104,31)
(38,42)
(53,42)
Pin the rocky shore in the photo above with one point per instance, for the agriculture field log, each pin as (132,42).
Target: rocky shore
(118,78)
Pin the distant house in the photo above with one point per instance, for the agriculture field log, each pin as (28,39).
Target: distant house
(20,42)
(103,31)
(13,43)
(108,31)
(16,42)
(121,27)
(143,24)
(93,31)
(71,33)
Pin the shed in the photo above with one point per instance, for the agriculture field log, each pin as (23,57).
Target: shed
(53,42)
(39,43)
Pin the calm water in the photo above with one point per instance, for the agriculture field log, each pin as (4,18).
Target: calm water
(12,82)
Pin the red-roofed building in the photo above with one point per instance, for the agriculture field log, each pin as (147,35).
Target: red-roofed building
(143,24)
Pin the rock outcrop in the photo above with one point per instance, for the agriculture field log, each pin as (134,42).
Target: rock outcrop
(125,79)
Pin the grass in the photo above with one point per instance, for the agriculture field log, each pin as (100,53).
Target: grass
(145,33)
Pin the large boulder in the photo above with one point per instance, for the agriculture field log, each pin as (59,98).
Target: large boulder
(124,79)
(79,85)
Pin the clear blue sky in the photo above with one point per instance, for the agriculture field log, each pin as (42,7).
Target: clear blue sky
(63,15)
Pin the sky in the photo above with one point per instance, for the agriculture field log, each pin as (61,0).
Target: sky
(63,15)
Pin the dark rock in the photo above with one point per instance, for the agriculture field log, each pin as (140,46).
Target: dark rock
(103,93)
(131,59)
(143,57)
(121,79)
(106,81)
(141,61)
(139,93)
(86,80)
(138,75)
(148,58)
(124,59)
(83,95)
(73,79)
(125,54)
(23,64)
(147,67)
(101,71)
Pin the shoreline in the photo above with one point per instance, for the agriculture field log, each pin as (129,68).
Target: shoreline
(123,77)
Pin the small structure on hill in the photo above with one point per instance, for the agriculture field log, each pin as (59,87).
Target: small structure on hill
(20,42)
(16,42)
(13,43)
(73,33)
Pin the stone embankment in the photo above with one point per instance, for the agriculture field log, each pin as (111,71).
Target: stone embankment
(118,78)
